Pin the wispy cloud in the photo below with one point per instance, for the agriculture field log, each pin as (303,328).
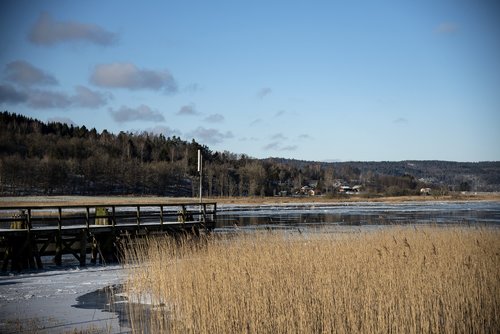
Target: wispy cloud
(279,136)
(23,73)
(253,139)
(9,94)
(49,99)
(272,146)
(88,98)
(446,28)
(164,130)
(46,99)
(285,114)
(304,136)
(279,146)
(400,120)
(256,122)
(188,110)
(192,88)
(129,76)
(47,31)
(214,118)
(264,92)
(140,113)
(289,148)
(209,135)
(280,113)
(280,143)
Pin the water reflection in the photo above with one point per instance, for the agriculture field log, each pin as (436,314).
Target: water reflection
(358,214)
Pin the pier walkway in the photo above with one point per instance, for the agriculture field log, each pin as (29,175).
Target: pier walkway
(28,233)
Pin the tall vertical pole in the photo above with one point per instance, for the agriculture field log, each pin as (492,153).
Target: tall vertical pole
(200,170)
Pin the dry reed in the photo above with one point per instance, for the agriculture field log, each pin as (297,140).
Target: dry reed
(392,280)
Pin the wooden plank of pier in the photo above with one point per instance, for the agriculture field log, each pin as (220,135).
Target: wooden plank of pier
(56,230)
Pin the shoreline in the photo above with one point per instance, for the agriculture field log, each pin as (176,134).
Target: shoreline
(110,200)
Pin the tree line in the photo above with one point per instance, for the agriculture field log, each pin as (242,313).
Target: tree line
(38,158)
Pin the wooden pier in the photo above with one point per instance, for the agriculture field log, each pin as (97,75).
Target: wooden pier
(28,233)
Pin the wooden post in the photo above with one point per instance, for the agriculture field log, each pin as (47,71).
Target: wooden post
(15,261)
(83,248)
(161,216)
(182,214)
(93,257)
(29,251)
(87,217)
(204,215)
(113,218)
(138,216)
(214,218)
(59,247)
(59,218)
(28,220)
(6,258)
(200,170)
(36,254)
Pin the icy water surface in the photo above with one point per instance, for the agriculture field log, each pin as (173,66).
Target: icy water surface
(356,214)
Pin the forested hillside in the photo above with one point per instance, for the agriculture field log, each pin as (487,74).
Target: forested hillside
(38,158)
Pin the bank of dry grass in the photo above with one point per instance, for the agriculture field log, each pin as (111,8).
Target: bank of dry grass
(399,280)
(253,200)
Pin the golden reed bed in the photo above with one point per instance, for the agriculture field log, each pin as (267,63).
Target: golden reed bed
(393,280)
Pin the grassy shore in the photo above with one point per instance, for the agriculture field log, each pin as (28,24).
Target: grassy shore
(397,279)
(109,200)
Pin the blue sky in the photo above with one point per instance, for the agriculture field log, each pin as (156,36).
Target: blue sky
(312,80)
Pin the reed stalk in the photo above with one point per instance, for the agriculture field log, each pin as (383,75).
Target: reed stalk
(392,280)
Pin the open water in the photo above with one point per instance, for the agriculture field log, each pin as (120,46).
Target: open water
(356,214)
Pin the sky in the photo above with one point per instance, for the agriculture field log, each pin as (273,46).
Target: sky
(309,80)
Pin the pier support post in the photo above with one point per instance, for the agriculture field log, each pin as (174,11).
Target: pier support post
(59,248)
(83,248)
(36,253)
(93,257)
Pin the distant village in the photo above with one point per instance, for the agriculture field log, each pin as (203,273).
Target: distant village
(312,189)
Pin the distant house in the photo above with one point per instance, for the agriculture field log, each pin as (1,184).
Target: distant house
(348,190)
(357,188)
(309,191)
(425,191)
(344,189)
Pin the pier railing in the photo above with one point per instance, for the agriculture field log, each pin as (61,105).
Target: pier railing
(28,233)
(28,218)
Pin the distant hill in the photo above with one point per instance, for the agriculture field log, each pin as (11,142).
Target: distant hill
(471,176)
(55,158)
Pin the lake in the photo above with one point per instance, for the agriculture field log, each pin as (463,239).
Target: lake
(304,216)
